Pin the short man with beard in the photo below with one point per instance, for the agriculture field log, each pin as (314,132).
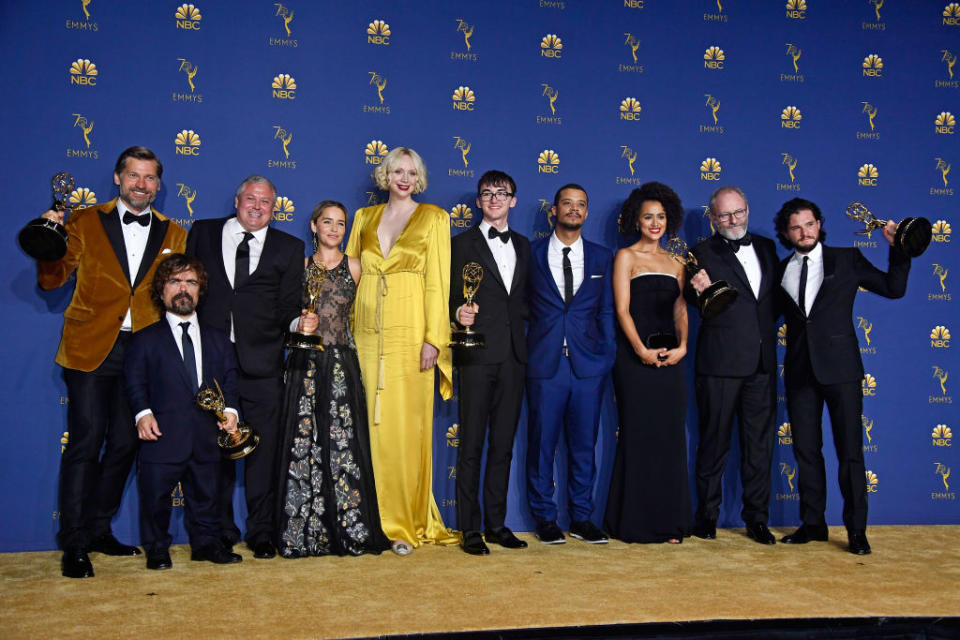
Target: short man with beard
(113,250)
(570,350)
(818,285)
(166,364)
(736,365)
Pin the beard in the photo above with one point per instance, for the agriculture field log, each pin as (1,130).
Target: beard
(569,226)
(182,304)
(732,233)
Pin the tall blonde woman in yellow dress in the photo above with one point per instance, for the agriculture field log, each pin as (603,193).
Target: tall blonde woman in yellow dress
(402,328)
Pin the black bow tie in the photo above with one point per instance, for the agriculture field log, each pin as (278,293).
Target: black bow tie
(143,219)
(503,235)
(745,241)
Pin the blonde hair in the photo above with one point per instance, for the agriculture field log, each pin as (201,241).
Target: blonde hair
(381,175)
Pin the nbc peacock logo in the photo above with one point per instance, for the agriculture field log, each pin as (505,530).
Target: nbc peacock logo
(83,72)
(790,118)
(283,209)
(378,33)
(461,216)
(284,87)
(630,109)
(873,482)
(187,143)
(872,66)
(869,385)
(796,9)
(548,162)
(945,123)
(782,335)
(710,169)
(188,17)
(867,175)
(374,152)
(940,337)
(951,14)
(453,432)
(64,441)
(785,434)
(464,99)
(713,58)
(941,231)
(551,46)
(82,197)
(941,436)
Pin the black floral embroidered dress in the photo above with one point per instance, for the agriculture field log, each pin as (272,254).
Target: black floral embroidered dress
(328,500)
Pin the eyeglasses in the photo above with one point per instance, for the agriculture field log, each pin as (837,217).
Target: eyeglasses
(499,195)
(178,282)
(738,214)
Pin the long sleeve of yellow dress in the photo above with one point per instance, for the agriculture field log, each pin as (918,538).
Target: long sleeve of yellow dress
(401,303)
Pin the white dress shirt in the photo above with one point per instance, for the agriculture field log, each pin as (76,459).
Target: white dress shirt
(230,239)
(135,241)
(747,257)
(555,260)
(791,276)
(504,254)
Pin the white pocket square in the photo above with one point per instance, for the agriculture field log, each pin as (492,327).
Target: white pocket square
(166,251)
(596,275)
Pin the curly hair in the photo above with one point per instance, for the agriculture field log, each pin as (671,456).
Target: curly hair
(656,191)
(781,221)
(381,175)
(171,265)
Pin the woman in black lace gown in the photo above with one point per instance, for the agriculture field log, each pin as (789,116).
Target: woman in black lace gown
(328,497)
(649,499)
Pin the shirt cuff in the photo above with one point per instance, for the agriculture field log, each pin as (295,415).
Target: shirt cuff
(145,412)
(231,410)
(294,323)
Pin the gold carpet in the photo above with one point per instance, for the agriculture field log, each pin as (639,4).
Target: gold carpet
(913,571)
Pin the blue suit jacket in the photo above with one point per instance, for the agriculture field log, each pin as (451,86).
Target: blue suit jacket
(588,323)
(157,380)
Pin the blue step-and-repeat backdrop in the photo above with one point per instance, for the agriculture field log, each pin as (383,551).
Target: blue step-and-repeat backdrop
(832,101)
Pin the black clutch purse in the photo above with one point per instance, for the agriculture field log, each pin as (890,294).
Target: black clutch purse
(661,341)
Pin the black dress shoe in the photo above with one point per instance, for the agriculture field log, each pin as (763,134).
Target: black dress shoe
(263,550)
(549,533)
(473,544)
(110,546)
(76,564)
(159,560)
(758,532)
(588,532)
(227,542)
(805,534)
(858,543)
(215,554)
(706,529)
(505,538)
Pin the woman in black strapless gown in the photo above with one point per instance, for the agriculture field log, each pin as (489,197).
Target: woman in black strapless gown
(649,499)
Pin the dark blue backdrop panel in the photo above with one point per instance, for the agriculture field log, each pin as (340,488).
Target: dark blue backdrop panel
(832,101)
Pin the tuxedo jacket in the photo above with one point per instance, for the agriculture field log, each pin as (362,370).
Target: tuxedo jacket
(502,315)
(157,379)
(105,289)
(824,344)
(263,307)
(743,336)
(587,324)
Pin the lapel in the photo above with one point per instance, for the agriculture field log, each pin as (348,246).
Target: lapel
(781,270)
(829,280)
(519,272)
(482,250)
(110,219)
(207,370)
(158,231)
(730,258)
(214,239)
(768,269)
(267,246)
(540,258)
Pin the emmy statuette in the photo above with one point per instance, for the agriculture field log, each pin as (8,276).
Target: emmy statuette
(716,297)
(467,338)
(44,239)
(912,237)
(234,445)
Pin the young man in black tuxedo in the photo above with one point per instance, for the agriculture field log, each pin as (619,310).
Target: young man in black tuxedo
(254,293)
(822,364)
(492,377)
(166,364)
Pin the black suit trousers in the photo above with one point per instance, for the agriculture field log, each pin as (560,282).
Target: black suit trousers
(199,481)
(490,394)
(752,400)
(260,400)
(91,484)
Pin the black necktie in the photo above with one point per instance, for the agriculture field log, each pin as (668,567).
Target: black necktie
(503,235)
(567,277)
(242,272)
(143,219)
(745,241)
(802,291)
(189,357)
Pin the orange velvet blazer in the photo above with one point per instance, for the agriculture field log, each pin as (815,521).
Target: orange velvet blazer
(95,251)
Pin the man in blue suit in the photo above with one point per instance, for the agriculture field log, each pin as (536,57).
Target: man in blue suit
(571,348)
(166,364)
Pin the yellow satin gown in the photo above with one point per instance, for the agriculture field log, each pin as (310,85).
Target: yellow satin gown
(401,303)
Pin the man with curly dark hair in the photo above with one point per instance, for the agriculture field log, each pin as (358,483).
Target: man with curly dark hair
(736,365)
